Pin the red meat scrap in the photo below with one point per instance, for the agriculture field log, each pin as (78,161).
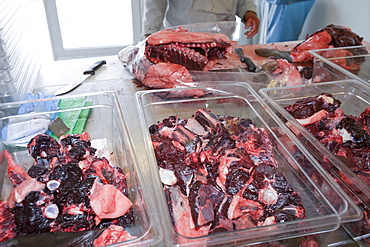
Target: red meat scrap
(16,173)
(193,50)
(219,174)
(7,224)
(108,202)
(164,59)
(285,74)
(114,234)
(329,36)
(67,189)
(166,75)
(320,40)
(346,136)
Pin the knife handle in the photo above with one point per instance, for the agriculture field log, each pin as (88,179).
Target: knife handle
(94,67)
(251,66)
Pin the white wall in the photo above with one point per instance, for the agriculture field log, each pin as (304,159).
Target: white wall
(354,14)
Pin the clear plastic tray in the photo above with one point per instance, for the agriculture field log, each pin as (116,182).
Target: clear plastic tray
(355,98)
(7,88)
(2,47)
(107,128)
(339,64)
(325,203)
(228,28)
(259,79)
(11,91)
(4,63)
(9,97)
(6,75)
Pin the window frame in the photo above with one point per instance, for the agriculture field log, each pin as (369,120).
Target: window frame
(62,53)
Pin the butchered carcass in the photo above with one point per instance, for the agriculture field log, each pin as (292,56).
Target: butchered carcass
(67,189)
(331,36)
(313,109)
(193,50)
(164,59)
(283,73)
(219,174)
(346,136)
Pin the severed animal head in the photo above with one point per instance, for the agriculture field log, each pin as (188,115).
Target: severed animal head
(193,50)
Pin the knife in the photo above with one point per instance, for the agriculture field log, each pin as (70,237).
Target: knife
(274,53)
(244,59)
(86,74)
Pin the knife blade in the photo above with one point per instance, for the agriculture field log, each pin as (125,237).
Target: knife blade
(244,59)
(86,74)
(263,52)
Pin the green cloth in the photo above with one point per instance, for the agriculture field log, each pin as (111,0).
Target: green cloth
(75,120)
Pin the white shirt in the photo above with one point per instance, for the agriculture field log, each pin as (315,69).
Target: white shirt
(159,15)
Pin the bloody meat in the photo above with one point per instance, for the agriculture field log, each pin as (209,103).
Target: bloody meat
(194,50)
(219,174)
(346,136)
(329,36)
(63,191)
(164,59)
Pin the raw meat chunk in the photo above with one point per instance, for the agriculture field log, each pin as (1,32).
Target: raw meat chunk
(221,175)
(346,136)
(67,189)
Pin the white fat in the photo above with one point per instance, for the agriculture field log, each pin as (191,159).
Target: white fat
(75,211)
(256,160)
(167,176)
(346,136)
(43,154)
(269,221)
(269,196)
(87,154)
(196,127)
(330,100)
(51,211)
(53,185)
(166,131)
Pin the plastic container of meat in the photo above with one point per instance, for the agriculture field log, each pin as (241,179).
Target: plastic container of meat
(327,206)
(99,115)
(355,98)
(335,64)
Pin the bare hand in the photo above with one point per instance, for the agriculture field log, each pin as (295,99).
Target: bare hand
(251,24)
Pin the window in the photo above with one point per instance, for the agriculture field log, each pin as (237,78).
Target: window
(87,28)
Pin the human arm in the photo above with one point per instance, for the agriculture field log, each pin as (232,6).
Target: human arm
(246,10)
(251,24)
(153,14)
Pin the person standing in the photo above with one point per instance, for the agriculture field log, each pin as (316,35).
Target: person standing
(282,20)
(161,14)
